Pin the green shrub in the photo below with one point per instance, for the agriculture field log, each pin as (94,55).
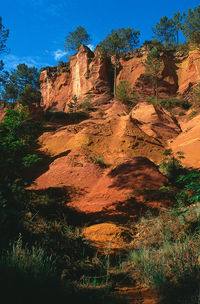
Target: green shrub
(33,262)
(171,103)
(86,105)
(166,255)
(67,118)
(171,166)
(123,91)
(63,67)
(152,100)
(182,113)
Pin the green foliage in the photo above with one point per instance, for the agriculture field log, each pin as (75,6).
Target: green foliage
(101,162)
(150,44)
(152,100)
(63,67)
(196,95)
(171,103)
(171,166)
(17,134)
(123,91)
(165,31)
(30,159)
(153,65)
(29,96)
(86,104)
(121,40)
(76,38)
(117,42)
(3,48)
(178,24)
(3,37)
(66,118)
(187,181)
(191,28)
(166,255)
(181,113)
(23,85)
(34,262)
(73,105)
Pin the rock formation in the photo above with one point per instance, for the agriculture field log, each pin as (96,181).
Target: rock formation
(85,74)
(188,141)
(108,162)
(88,73)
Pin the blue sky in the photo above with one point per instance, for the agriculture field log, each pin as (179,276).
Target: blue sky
(38,27)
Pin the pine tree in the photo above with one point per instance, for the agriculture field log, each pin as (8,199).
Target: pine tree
(117,42)
(3,48)
(76,38)
(21,80)
(153,65)
(165,31)
(191,28)
(178,22)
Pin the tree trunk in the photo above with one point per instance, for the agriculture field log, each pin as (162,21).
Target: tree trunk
(177,36)
(156,88)
(115,78)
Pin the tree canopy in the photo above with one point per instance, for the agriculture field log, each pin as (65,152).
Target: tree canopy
(178,24)
(191,28)
(3,37)
(117,42)
(165,31)
(23,80)
(153,65)
(76,38)
(3,48)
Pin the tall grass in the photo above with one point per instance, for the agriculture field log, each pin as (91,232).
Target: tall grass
(33,262)
(169,258)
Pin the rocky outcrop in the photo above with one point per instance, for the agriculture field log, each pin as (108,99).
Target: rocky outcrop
(155,121)
(188,142)
(85,74)
(188,71)
(88,73)
(180,72)
(108,162)
(133,70)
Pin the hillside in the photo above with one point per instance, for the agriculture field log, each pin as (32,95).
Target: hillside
(101,166)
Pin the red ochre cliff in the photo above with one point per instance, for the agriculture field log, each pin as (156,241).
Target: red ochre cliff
(109,161)
(85,74)
(89,73)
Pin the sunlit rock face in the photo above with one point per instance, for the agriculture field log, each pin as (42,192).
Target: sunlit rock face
(86,74)
(90,74)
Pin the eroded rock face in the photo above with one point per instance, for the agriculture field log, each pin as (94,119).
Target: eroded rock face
(133,70)
(189,142)
(180,72)
(155,121)
(86,74)
(56,89)
(89,73)
(110,162)
(188,71)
